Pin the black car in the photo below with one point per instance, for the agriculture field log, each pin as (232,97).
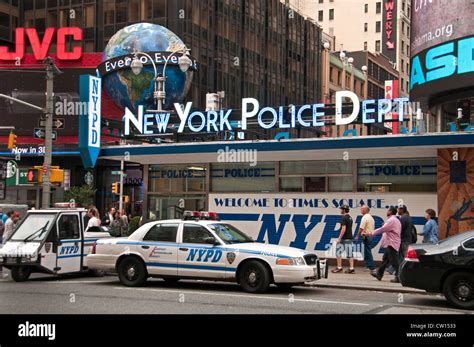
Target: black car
(446,267)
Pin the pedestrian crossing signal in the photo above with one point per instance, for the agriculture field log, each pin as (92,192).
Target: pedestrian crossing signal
(32,176)
(11,140)
(115,187)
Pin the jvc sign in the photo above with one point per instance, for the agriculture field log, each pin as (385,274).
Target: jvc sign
(90,122)
(41,47)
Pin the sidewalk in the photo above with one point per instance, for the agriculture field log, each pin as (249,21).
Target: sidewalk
(362,280)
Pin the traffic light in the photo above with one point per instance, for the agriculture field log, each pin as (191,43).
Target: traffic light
(11,140)
(125,199)
(32,176)
(115,188)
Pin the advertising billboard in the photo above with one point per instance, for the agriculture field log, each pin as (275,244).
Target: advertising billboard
(441,47)
(311,221)
(389,31)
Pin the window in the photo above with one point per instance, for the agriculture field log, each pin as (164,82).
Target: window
(366,27)
(397,175)
(315,184)
(378,7)
(331,73)
(291,184)
(320,15)
(403,65)
(469,244)
(193,233)
(365,45)
(403,47)
(378,26)
(377,46)
(238,177)
(162,233)
(403,27)
(321,1)
(177,178)
(366,8)
(339,77)
(68,227)
(403,84)
(331,14)
(230,234)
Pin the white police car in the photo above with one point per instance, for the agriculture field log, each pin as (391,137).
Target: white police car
(200,247)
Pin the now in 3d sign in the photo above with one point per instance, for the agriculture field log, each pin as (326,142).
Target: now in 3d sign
(90,121)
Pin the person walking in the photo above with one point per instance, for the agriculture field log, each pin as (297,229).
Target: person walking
(367,226)
(9,227)
(108,217)
(391,232)
(344,241)
(406,237)
(2,231)
(93,215)
(430,229)
(117,225)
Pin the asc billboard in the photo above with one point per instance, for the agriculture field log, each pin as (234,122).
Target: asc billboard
(311,221)
(442,47)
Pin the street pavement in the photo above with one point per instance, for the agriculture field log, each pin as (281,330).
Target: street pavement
(44,294)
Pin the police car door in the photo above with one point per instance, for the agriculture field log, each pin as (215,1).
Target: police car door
(197,257)
(159,249)
(69,256)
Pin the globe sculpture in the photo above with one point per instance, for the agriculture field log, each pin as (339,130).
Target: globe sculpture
(130,90)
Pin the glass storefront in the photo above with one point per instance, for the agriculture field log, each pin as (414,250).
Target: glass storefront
(397,175)
(177,178)
(241,177)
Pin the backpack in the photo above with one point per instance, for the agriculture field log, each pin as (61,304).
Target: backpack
(414,235)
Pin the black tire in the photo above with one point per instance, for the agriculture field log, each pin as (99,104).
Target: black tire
(20,273)
(132,272)
(459,290)
(254,277)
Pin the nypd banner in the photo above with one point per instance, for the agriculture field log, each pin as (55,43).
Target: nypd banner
(90,122)
(311,221)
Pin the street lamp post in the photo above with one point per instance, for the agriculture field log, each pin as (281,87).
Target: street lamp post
(159,93)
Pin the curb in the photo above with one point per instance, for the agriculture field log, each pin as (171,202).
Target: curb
(374,289)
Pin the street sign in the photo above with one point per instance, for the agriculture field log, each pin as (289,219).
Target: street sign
(58,123)
(118,173)
(39,133)
(45,169)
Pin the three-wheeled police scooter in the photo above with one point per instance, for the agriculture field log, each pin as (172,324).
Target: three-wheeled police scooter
(51,241)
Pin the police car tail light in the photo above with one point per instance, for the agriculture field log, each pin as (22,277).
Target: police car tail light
(411,255)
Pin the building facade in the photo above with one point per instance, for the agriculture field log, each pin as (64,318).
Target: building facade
(379,26)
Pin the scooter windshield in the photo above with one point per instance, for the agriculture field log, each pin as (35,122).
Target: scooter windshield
(31,229)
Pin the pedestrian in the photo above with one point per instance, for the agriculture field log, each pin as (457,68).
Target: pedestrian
(344,241)
(16,218)
(3,216)
(108,217)
(117,225)
(93,215)
(391,232)
(430,229)
(406,237)
(367,226)
(9,227)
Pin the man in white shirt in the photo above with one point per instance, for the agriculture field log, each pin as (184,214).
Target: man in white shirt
(367,226)
(9,228)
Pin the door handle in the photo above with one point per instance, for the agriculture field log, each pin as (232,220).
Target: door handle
(145,247)
(183,249)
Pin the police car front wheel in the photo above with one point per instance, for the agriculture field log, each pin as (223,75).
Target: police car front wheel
(21,273)
(254,277)
(132,272)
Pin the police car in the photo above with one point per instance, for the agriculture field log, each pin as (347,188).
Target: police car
(52,241)
(199,246)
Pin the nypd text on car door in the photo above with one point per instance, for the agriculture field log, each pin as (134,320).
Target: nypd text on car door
(200,253)
(69,257)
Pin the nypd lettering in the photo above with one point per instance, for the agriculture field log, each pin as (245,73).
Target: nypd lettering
(204,255)
(65,250)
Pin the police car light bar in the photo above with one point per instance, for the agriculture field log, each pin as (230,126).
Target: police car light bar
(204,215)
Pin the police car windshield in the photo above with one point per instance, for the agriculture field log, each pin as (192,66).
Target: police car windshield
(30,226)
(230,234)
